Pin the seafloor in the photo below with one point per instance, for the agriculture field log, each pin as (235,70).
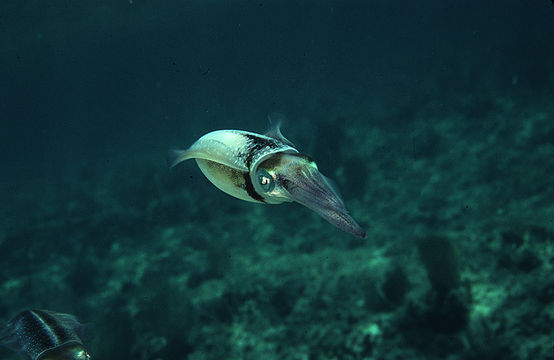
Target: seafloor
(457,263)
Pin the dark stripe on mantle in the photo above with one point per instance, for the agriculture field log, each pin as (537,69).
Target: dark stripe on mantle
(250,188)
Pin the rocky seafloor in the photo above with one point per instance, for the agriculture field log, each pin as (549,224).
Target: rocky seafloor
(457,263)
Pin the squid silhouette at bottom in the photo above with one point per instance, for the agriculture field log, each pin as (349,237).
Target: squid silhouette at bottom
(45,335)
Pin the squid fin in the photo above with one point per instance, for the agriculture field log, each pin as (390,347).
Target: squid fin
(275,122)
(176,156)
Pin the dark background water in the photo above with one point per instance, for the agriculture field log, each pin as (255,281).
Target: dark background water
(82,81)
(432,117)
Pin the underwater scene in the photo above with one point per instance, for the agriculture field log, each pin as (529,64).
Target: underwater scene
(276,179)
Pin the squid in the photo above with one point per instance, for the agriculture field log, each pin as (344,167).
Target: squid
(267,169)
(45,335)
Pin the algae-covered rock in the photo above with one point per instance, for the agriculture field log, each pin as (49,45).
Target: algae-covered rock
(395,286)
(441,261)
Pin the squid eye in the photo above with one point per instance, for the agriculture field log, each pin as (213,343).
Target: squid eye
(265,180)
